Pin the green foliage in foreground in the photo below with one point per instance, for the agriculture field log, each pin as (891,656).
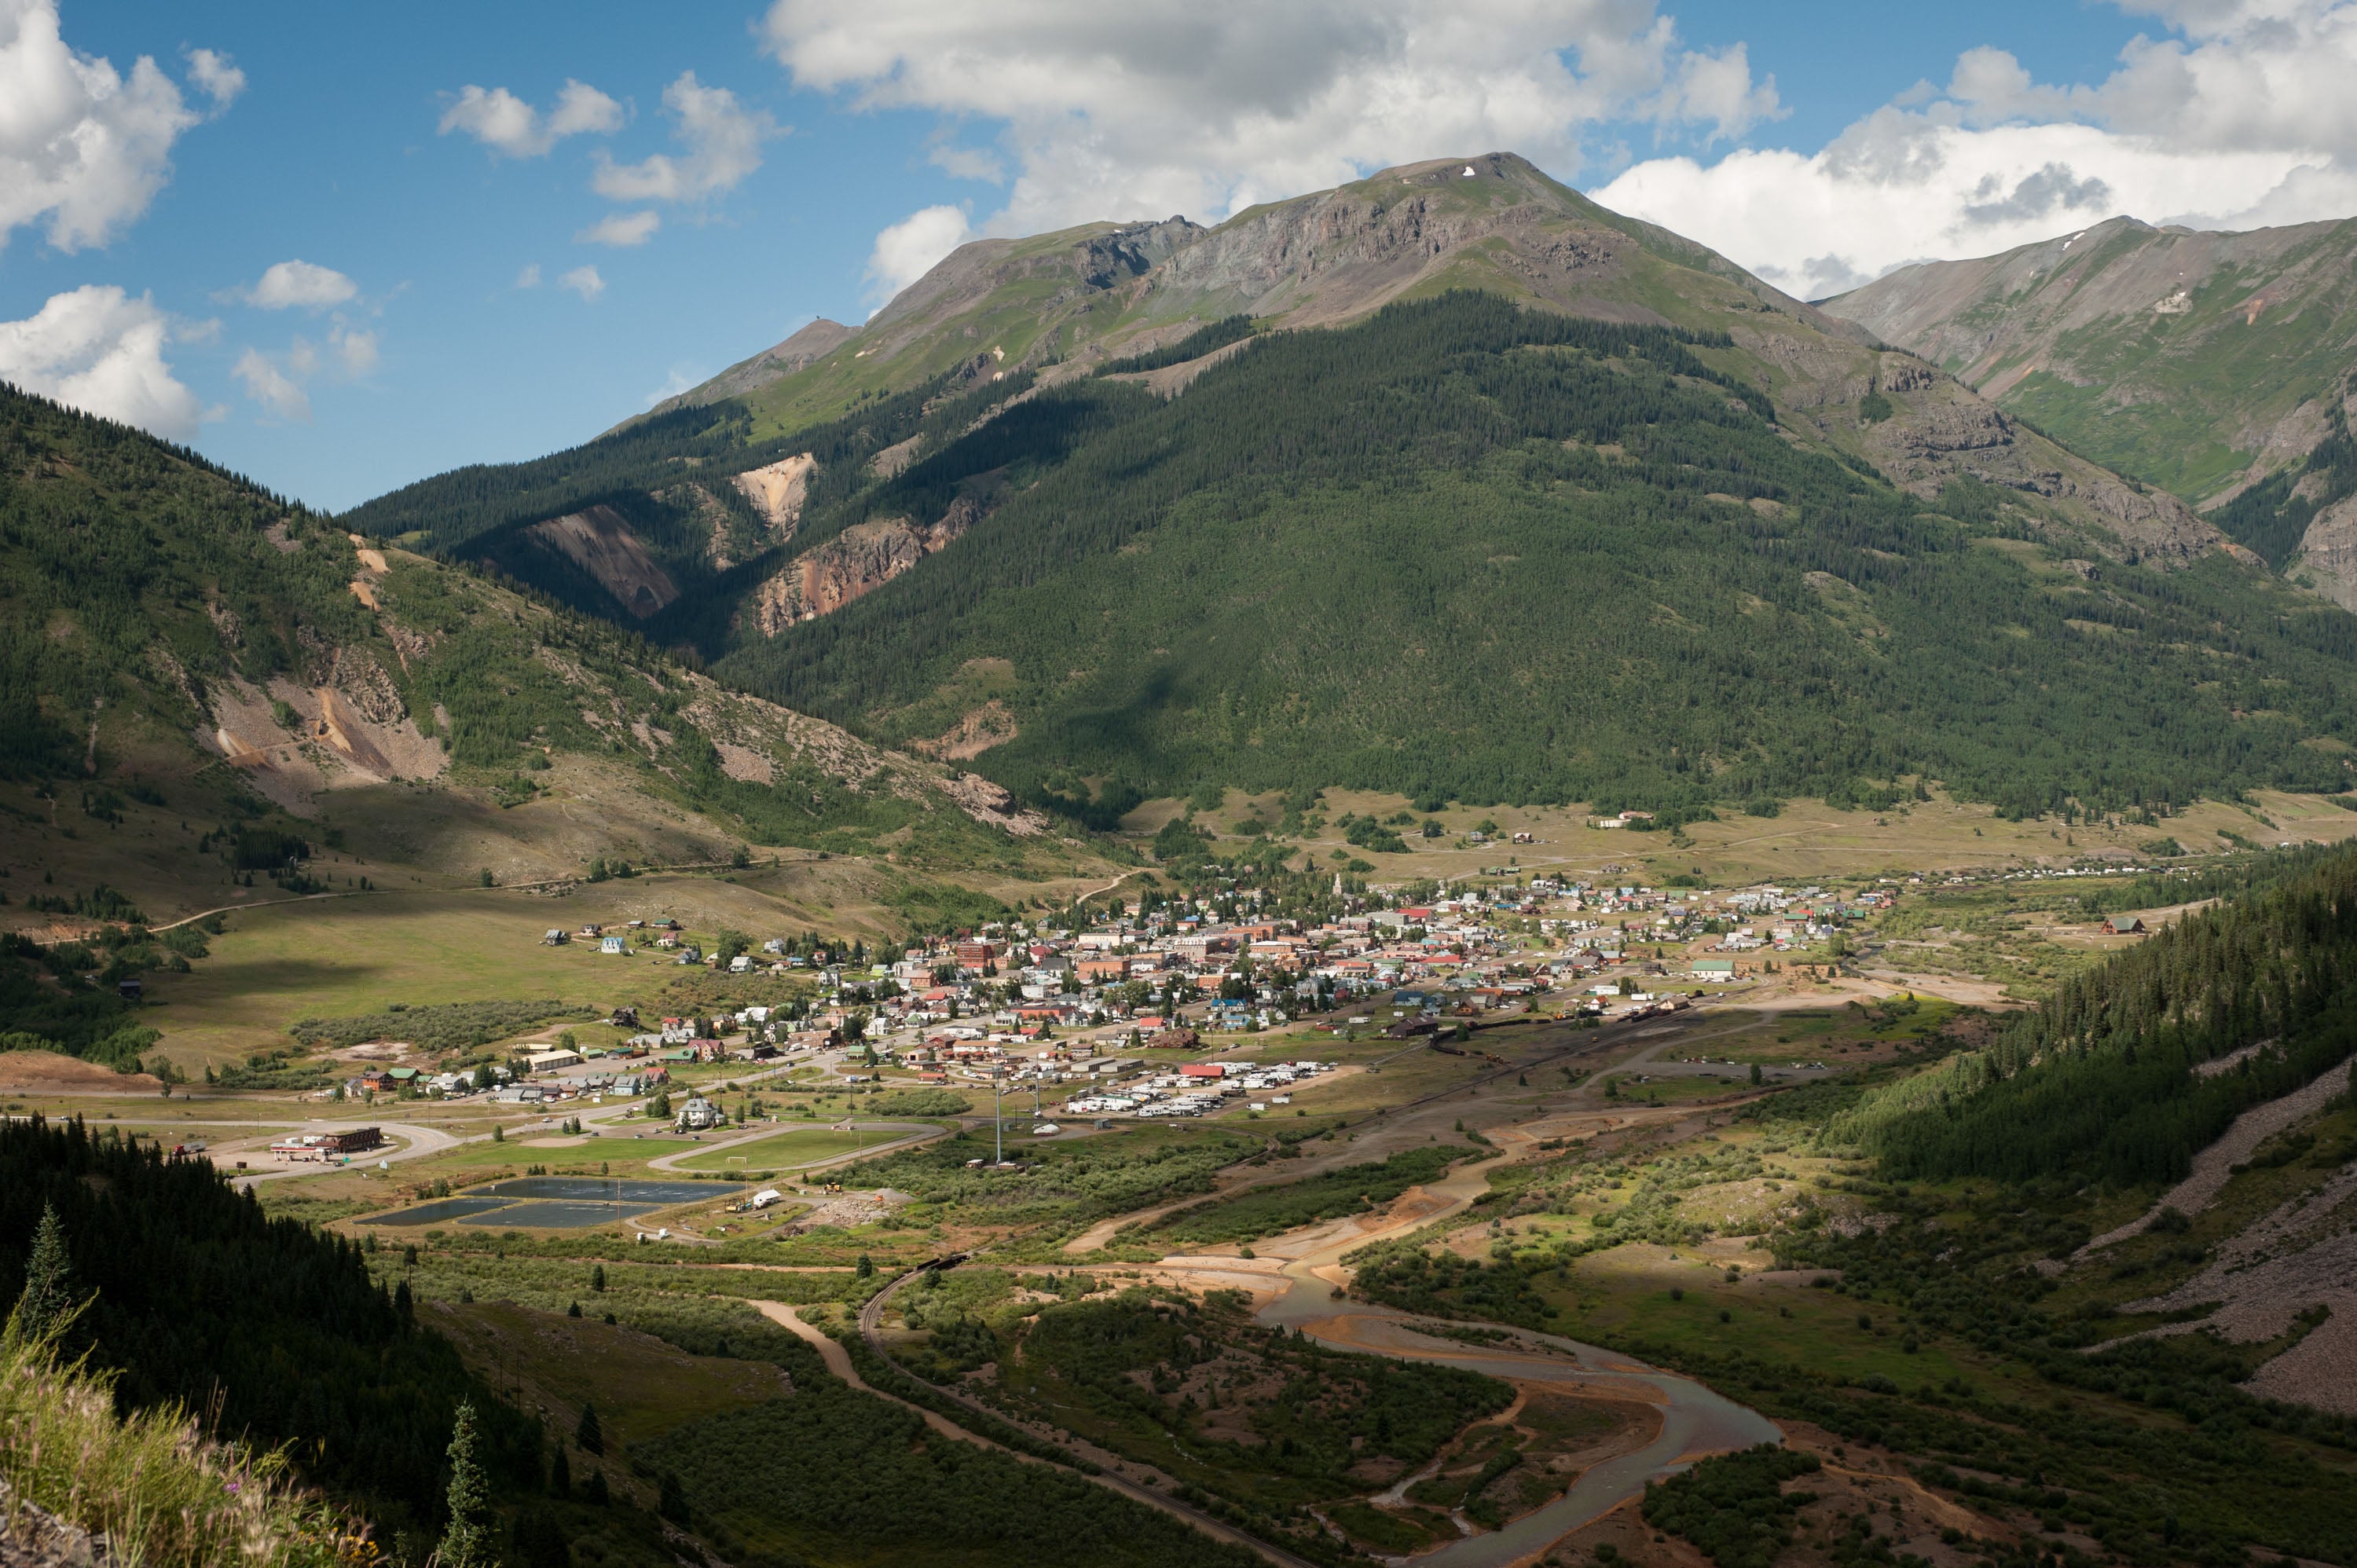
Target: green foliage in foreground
(2101,1079)
(1256,581)
(443,1027)
(200,1299)
(150,1482)
(833,1476)
(1353,1189)
(1733,1506)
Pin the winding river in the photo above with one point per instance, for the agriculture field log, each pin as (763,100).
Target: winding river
(1696,1422)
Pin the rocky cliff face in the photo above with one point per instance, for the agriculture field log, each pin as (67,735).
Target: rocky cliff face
(856,562)
(777,490)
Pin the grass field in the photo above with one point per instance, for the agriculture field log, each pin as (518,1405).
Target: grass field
(786,1150)
(1807,841)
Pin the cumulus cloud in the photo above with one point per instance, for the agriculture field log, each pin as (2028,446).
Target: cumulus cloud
(723,142)
(355,347)
(512,128)
(1205,106)
(220,80)
(907,249)
(298,284)
(583,280)
(98,350)
(622,229)
(529,277)
(280,383)
(81,144)
(279,393)
(2240,116)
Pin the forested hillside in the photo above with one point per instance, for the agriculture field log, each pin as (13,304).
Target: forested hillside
(2113,1077)
(1468,549)
(152,605)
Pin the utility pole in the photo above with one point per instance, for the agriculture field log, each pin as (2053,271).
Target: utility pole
(997,1117)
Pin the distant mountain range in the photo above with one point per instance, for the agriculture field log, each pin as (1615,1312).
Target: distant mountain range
(1449,481)
(2216,366)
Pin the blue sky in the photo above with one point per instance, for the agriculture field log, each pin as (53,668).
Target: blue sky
(821,155)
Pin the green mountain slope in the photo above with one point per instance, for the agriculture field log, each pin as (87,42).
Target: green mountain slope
(1447,481)
(157,613)
(1462,549)
(2215,365)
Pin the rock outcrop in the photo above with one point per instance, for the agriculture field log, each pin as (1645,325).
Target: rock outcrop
(854,563)
(599,542)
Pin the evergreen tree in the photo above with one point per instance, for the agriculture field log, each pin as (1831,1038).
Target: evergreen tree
(466,1542)
(588,1436)
(47,1304)
(560,1474)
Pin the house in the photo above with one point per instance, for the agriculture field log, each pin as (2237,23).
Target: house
(554,938)
(1713,968)
(699,1115)
(612,946)
(2127,925)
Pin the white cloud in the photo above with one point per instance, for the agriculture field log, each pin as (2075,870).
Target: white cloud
(583,280)
(2244,118)
(967,162)
(279,393)
(513,128)
(908,250)
(356,347)
(582,109)
(1205,106)
(299,284)
(529,277)
(620,228)
(723,142)
(80,145)
(221,82)
(98,350)
(682,379)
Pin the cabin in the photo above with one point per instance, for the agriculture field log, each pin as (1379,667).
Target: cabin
(2124,926)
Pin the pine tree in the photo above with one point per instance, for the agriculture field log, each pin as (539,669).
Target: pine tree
(466,1542)
(47,1304)
(589,1437)
(560,1474)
